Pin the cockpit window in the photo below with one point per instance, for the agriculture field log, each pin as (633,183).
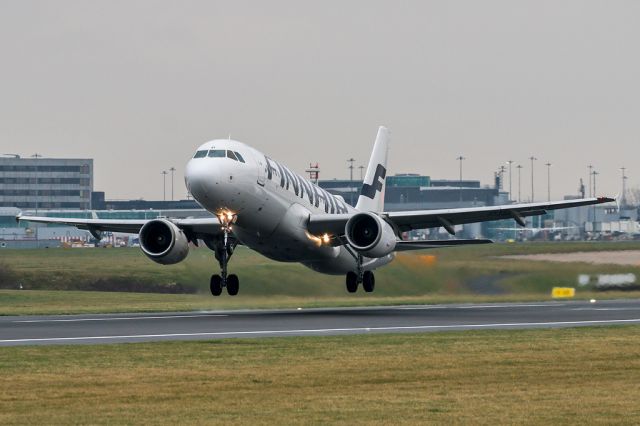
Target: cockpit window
(217,153)
(239,157)
(200,154)
(231,155)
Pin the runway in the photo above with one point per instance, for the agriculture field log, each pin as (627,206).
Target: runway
(129,328)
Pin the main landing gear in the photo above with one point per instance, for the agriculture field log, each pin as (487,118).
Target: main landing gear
(223,248)
(367,278)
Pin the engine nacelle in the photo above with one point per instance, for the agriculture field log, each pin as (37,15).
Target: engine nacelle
(163,242)
(371,236)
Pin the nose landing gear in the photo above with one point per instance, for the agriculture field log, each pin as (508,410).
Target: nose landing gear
(223,248)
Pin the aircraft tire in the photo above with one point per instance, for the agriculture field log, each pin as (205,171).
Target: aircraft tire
(368,281)
(216,285)
(233,284)
(352,282)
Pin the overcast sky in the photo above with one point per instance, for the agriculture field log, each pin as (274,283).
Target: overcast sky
(138,85)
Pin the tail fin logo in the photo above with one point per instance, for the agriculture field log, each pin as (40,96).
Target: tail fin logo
(376,185)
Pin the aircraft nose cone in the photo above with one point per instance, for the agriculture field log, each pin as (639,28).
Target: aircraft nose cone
(198,177)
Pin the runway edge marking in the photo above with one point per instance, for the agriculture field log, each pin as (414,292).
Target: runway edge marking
(323,330)
(120,318)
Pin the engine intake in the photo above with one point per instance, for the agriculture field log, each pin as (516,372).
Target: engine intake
(163,242)
(371,236)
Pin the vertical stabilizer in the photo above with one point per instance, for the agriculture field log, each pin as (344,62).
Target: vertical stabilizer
(372,195)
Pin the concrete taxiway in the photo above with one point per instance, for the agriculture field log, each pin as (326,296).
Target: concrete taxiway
(121,328)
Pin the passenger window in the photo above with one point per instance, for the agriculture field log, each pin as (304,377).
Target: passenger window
(217,153)
(239,157)
(200,154)
(231,155)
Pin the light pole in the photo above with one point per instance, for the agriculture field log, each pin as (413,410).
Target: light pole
(172,169)
(590,167)
(594,194)
(519,167)
(548,181)
(350,161)
(461,159)
(623,200)
(164,185)
(510,162)
(532,158)
(36,156)
(361,171)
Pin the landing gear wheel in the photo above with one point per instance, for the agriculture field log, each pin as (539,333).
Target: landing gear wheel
(216,285)
(368,281)
(352,282)
(223,249)
(233,284)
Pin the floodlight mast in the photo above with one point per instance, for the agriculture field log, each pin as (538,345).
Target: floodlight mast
(510,162)
(460,159)
(532,158)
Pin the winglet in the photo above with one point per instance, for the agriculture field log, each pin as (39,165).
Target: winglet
(372,195)
(603,200)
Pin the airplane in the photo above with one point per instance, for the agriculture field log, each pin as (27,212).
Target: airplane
(260,203)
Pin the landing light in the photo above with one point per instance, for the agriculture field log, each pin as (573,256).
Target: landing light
(226,218)
(319,240)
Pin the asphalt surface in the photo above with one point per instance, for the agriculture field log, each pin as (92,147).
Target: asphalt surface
(120,328)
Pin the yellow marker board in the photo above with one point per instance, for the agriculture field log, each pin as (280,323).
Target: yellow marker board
(562,292)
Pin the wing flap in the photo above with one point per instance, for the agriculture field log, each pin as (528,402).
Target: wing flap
(431,244)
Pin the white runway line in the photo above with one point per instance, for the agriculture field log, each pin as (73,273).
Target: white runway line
(606,309)
(122,318)
(419,308)
(546,305)
(322,330)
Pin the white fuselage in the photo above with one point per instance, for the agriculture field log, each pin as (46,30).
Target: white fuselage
(272,205)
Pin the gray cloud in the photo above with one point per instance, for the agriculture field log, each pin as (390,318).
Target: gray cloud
(138,85)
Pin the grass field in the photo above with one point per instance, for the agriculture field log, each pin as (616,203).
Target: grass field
(463,274)
(43,302)
(568,376)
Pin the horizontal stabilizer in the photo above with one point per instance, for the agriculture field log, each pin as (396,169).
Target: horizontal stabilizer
(431,244)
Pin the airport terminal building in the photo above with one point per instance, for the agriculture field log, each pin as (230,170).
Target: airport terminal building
(64,188)
(46,183)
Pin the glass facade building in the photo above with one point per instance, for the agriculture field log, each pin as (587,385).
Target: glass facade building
(46,183)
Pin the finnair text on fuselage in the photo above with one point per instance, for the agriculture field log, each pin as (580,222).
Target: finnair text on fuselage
(290,181)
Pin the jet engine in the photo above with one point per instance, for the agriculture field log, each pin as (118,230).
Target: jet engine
(163,242)
(369,235)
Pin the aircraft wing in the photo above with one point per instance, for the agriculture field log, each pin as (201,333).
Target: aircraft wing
(195,227)
(408,220)
(447,218)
